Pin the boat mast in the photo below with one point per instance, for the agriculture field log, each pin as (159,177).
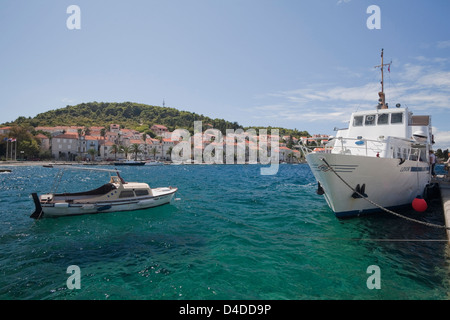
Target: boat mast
(382,100)
(382,73)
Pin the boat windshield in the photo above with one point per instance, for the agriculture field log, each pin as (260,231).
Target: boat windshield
(378,119)
(357,121)
(383,118)
(397,118)
(115,179)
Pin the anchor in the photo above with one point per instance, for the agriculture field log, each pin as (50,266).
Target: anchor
(319,189)
(360,190)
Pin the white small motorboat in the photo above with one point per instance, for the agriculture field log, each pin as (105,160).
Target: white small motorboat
(154,163)
(116,195)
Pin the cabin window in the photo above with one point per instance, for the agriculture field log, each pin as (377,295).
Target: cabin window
(126,194)
(370,120)
(383,118)
(414,155)
(396,118)
(357,121)
(142,192)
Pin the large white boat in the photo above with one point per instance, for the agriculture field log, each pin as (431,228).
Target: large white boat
(116,195)
(380,161)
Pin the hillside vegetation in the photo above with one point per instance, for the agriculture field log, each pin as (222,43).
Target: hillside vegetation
(128,114)
(132,116)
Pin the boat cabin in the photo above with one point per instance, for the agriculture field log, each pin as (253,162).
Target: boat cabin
(387,133)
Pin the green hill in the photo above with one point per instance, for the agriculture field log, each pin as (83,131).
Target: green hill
(132,116)
(127,114)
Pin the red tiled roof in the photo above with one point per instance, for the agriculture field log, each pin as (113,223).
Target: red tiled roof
(67,136)
(45,128)
(133,141)
(159,126)
(91,138)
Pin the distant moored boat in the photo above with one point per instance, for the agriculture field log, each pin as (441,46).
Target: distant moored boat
(129,163)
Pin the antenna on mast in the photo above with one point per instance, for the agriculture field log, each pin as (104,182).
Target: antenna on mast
(382,100)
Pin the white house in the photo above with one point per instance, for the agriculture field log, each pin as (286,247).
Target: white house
(65,146)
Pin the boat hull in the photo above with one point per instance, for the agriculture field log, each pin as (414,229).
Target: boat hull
(161,196)
(154,164)
(387,182)
(131,163)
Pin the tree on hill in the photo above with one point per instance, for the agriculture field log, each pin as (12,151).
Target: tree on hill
(283,131)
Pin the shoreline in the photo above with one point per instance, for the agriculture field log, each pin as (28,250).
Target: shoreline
(85,163)
(47,163)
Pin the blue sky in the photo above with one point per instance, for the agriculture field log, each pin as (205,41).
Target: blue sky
(304,64)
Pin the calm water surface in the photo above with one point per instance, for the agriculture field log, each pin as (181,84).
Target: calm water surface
(230,234)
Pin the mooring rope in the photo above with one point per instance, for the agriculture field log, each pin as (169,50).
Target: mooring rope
(381,207)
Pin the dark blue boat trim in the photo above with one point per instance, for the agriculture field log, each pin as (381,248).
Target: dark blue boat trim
(417,169)
(355,213)
(104,208)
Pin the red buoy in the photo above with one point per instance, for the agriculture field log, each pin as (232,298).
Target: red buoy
(419,204)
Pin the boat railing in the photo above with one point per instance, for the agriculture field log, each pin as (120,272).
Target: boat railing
(391,147)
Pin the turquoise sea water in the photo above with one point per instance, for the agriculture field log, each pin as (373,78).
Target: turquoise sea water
(230,234)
